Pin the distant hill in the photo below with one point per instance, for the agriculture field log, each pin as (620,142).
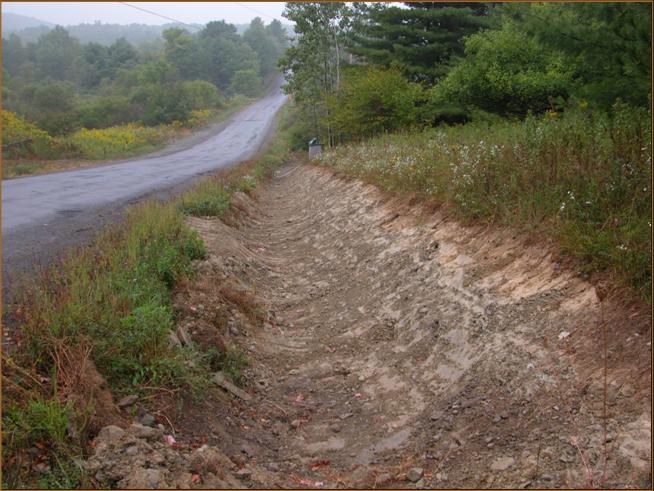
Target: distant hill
(16,22)
(98,32)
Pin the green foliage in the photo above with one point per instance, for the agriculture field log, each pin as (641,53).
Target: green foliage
(106,111)
(246,82)
(39,421)
(232,363)
(374,100)
(506,72)
(210,198)
(581,176)
(201,94)
(44,423)
(312,65)
(51,106)
(607,46)
(267,43)
(56,53)
(61,84)
(21,138)
(117,295)
(422,39)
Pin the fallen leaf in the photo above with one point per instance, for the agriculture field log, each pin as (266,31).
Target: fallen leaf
(318,464)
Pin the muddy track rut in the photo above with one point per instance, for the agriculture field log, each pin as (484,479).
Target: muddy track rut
(396,348)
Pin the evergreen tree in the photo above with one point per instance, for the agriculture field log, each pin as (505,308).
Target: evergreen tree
(422,39)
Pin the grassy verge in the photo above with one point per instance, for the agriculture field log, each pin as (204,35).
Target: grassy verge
(581,177)
(109,305)
(87,147)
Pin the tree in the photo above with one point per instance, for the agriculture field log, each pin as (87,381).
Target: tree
(277,31)
(201,94)
(423,39)
(14,53)
(374,100)
(221,53)
(312,66)
(106,111)
(56,54)
(608,45)
(263,44)
(246,82)
(94,65)
(51,105)
(181,51)
(506,72)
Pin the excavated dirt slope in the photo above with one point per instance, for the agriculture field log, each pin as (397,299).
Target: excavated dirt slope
(391,347)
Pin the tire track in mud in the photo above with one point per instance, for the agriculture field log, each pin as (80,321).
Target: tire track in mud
(409,351)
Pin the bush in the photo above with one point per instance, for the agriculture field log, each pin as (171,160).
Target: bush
(210,198)
(374,100)
(506,72)
(201,94)
(161,104)
(106,111)
(117,141)
(52,106)
(22,139)
(246,82)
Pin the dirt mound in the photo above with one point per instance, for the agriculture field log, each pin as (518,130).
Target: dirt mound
(393,348)
(141,457)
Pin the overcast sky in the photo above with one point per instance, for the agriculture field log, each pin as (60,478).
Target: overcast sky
(71,13)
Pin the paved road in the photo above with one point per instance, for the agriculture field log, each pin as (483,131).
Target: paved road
(43,214)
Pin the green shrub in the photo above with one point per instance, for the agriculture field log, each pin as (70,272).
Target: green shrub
(506,72)
(201,94)
(106,111)
(246,82)
(374,100)
(209,198)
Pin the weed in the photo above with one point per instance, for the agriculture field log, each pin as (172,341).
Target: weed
(232,363)
(208,199)
(582,177)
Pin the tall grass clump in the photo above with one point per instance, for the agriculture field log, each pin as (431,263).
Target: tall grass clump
(116,294)
(581,176)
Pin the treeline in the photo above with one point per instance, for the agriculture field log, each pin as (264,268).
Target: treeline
(62,85)
(361,69)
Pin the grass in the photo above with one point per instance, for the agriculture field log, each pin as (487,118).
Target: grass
(581,177)
(232,363)
(111,301)
(87,147)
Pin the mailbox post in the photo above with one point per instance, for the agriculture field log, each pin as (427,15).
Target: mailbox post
(315,148)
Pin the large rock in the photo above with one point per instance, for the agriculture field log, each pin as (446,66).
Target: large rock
(502,463)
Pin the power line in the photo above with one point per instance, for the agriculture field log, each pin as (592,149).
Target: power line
(160,15)
(255,10)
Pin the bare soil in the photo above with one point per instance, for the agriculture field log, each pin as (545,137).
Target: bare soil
(391,347)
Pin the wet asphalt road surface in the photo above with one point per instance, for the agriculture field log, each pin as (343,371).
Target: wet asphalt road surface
(43,215)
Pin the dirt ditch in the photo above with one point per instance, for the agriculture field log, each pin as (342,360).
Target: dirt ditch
(389,347)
